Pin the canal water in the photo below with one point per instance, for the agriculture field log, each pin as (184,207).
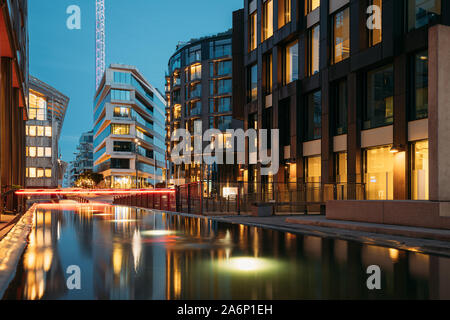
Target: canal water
(123,253)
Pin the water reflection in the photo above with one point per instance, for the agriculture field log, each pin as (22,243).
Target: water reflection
(132,254)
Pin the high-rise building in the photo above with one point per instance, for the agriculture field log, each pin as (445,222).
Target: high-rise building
(13,95)
(47,110)
(128,129)
(356,90)
(199,90)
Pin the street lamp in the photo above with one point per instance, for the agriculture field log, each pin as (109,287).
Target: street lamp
(137,144)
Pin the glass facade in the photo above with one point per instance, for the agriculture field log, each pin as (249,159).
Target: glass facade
(420,97)
(268,74)
(313,117)
(284,9)
(341,36)
(341,167)
(219,48)
(420,171)
(290,67)
(252,85)
(379,173)
(379,109)
(313,54)
(375,34)
(253,27)
(311,5)
(267,26)
(422,12)
(340,109)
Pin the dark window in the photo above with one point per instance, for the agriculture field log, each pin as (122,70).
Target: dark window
(313,117)
(419,106)
(423,12)
(284,122)
(267,123)
(340,107)
(379,110)
(120,163)
(121,146)
(268,74)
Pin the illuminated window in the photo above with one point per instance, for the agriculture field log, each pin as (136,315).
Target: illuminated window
(32,131)
(291,63)
(40,152)
(311,5)
(40,173)
(341,167)
(341,36)
(284,12)
(121,112)
(32,152)
(48,152)
(313,169)
(48,173)
(420,171)
(40,131)
(379,173)
(48,131)
(120,129)
(37,106)
(313,50)
(32,172)
(252,29)
(375,35)
(196,72)
(267,28)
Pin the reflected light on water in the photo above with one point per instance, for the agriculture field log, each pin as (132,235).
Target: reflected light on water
(136,249)
(157,233)
(247,264)
(393,254)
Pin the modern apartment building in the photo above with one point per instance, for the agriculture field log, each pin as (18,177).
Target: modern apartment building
(129,131)
(13,96)
(356,88)
(46,113)
(199,90)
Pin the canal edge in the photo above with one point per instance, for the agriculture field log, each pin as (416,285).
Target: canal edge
(12,247)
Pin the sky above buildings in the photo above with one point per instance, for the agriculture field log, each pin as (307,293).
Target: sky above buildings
(142,33)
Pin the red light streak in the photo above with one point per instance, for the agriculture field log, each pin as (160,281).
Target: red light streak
(31,192)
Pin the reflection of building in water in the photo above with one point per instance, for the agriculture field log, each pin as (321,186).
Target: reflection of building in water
(43,273)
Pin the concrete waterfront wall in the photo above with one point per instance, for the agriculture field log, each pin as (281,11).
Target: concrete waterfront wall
(424,214)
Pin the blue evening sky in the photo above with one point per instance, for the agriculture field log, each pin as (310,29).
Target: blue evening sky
(142,33)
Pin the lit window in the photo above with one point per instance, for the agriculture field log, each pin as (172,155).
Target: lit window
(252,28)
(40,131)
(379,173)
(341,36)
(291,63)
(375,34)
(196,72)
(40,173)
(267,29)
(313,50)
(121,112)
(32,131)
(48,131)
(37,106)
(32,172)
(40,152)
(284,9)
(420,171)
(32,152)
(120,129)
(48,152)
(48,173)
(311,5)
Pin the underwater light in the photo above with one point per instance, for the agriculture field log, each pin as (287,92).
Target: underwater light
(247,264)
(157,233)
